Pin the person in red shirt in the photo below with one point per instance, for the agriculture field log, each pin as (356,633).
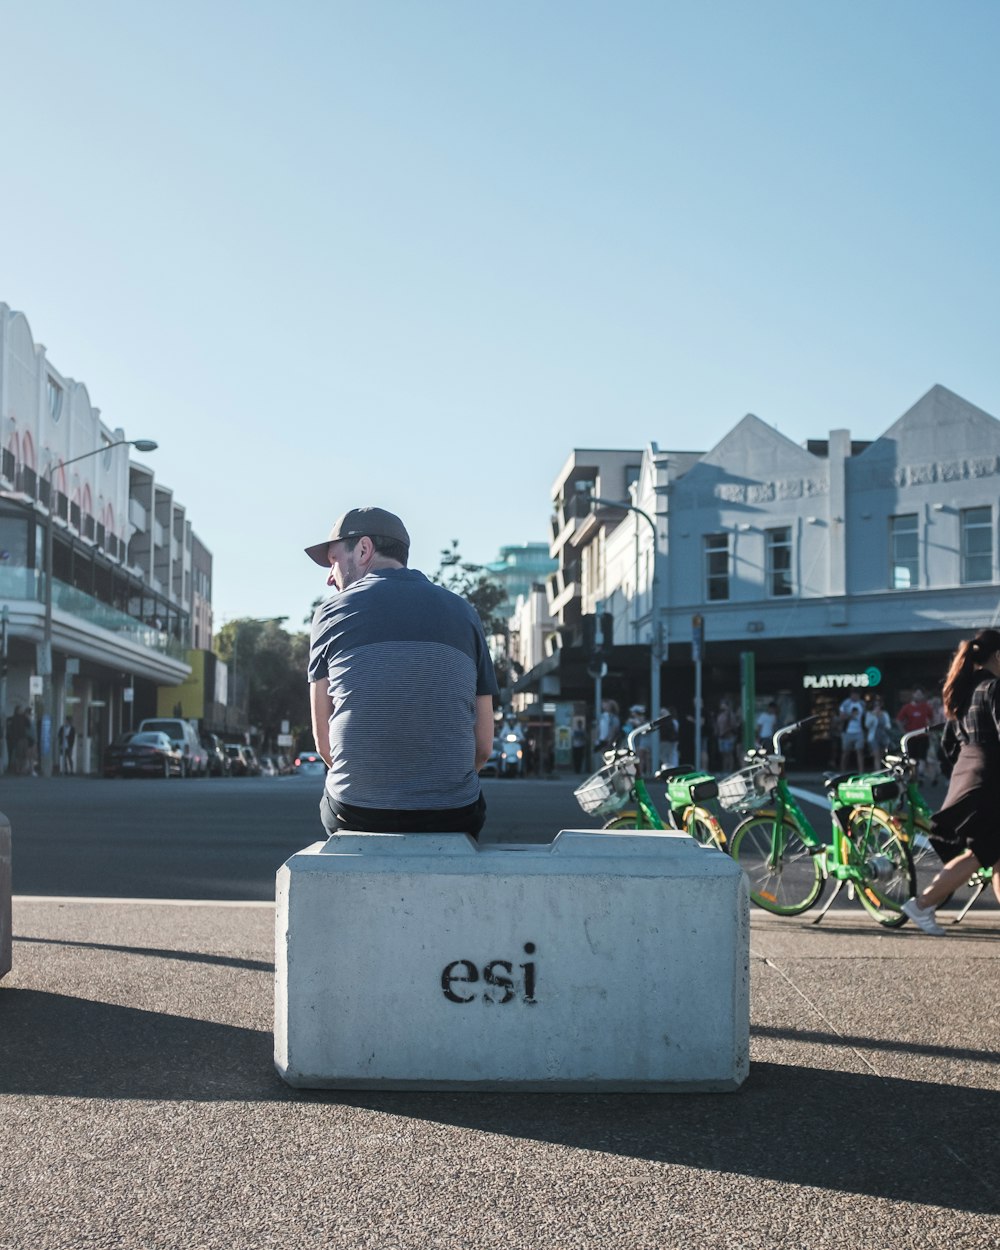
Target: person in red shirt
(917,714)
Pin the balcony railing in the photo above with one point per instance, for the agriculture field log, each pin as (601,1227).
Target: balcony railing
(29,585)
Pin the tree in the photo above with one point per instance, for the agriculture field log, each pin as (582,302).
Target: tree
(474,584)
(270,674)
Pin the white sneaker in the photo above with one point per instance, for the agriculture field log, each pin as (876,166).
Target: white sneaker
(922,917)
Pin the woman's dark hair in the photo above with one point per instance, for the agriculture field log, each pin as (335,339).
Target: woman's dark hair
(962,676)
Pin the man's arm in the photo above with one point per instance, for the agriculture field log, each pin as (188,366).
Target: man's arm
(322,710)
(484,729)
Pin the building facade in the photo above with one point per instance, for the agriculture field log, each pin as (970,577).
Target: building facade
(836,563)
(114,621)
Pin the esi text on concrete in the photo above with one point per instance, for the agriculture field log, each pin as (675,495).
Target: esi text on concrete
(601,961)
(5,896)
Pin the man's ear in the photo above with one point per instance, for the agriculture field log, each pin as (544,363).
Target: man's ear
(364,550)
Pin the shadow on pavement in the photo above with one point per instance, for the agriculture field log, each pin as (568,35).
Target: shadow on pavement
(840,1131)
(155,952)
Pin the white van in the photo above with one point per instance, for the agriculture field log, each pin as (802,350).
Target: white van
(184,736)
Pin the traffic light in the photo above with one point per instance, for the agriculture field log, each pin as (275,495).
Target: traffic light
(598,635)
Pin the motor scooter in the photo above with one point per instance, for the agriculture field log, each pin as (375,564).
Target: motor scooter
(511,756)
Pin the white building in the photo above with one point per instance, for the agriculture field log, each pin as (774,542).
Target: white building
(833,562)
(122,591)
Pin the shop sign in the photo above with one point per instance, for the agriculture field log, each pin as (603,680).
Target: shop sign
(842,681)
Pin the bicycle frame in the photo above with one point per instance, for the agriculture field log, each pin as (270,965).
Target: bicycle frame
(688,818)
(851,853)
(913,815)
(645,807)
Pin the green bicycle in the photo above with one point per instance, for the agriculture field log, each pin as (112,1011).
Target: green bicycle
(619,793)
(788,863)
(911,816)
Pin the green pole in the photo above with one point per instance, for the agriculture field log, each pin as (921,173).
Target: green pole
(748,688)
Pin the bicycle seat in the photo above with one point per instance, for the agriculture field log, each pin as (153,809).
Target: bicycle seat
(666,771)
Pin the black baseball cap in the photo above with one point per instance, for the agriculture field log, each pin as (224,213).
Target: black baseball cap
(361,523)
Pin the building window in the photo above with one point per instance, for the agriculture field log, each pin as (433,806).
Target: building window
(903,542)
(779,561)
(55,399)
(716,567)
(977,544)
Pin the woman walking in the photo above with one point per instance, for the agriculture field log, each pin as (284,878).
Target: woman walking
(966,831)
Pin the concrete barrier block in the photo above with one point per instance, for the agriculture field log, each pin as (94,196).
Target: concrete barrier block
(5,896)
(601,961)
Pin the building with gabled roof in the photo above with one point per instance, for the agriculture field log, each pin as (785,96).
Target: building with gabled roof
(833,563)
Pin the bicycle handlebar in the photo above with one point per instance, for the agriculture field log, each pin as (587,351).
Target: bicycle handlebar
(644,729)
(788,729)
(904,758)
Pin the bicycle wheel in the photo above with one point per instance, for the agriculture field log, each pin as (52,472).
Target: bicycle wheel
(926,860)
(784,878)
(624,820)
(704,828)
(880,850)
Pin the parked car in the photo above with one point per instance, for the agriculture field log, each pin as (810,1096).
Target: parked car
(218,760)
(111,765)
(268,767)
(238,761)
(309,764)
(184,736)
(149,754)
(253,763)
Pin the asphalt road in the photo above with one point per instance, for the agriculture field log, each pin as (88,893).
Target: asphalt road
(225,839)
(208,838)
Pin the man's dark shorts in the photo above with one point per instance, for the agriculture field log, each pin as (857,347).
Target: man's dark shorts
(337,816)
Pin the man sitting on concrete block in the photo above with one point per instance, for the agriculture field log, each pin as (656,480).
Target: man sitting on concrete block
(402,688)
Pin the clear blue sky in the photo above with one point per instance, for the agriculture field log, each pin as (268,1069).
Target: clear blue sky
(412,253)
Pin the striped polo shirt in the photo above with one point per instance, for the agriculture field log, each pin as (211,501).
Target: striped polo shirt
(405,661)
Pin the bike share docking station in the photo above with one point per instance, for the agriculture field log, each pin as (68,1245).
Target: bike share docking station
(604,960)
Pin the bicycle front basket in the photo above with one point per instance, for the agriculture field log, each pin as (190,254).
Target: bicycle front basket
(609,789)
(749,788)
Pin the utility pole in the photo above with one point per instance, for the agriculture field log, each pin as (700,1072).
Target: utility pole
(44,661)
(4,621)
(655,648)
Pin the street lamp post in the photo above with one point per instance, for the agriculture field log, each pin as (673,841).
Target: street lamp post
(654,640)
(45,729)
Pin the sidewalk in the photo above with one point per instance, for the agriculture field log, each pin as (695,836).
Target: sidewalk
(140,1107)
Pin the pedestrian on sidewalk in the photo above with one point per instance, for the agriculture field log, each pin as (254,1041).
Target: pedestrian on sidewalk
(67,741)
(670,738)
(966,831)
(917,713)
(852,731)
(579,747)
(878,732)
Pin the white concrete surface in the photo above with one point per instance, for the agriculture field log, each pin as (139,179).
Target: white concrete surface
(614,961)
